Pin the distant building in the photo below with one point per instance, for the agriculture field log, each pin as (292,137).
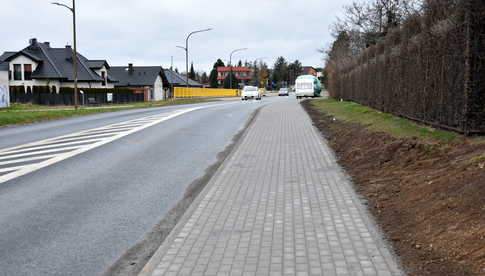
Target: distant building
(243,74)
(309,70)
(41,65)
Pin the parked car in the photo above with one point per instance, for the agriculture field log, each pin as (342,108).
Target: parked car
(250,92)
(284,92)
(307,86)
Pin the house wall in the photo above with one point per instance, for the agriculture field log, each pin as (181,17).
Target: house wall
(83,84)
(4,89)
(37,82)
(100,73)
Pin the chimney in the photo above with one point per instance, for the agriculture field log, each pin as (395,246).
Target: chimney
(47,44)
(33,42)
(130,68)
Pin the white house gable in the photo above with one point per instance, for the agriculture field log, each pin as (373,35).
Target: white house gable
(21,69)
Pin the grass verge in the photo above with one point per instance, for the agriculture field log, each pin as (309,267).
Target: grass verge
(28,113)
(382,122)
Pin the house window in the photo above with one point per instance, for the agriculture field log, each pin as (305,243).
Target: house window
(103,75)
(17,72)
(28,71)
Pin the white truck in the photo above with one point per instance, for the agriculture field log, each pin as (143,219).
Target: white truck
(307,86)
(250,92)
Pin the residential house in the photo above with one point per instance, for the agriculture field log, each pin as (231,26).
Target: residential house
(242,74)
(149,80)
(309,70)
(41,65)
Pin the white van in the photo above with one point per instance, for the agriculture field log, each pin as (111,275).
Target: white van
(307,86)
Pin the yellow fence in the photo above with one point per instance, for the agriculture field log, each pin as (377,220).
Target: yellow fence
(184,92)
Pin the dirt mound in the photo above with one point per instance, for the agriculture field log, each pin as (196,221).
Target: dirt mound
(428,198)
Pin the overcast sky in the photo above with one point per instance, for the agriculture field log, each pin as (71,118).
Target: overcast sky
(146,32)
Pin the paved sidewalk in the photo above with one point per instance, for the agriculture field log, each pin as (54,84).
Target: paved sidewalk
(280,205)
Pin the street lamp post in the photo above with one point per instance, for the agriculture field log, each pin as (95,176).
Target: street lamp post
(74,53)
(230,64)
(186,48)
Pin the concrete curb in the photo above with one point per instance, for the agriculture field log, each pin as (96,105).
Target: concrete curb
(151,265)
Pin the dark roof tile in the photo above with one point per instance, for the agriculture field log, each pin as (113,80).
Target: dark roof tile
(177,79)
(4,66)
(140,76)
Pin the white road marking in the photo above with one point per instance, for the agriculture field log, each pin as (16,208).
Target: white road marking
(27,159)
(2,170)
(37,152)
(49,146)
(56,149)
(85,136)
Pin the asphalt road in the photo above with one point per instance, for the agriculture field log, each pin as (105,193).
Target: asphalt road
(78,215)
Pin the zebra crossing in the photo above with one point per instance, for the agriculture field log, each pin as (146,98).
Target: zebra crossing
(23,159)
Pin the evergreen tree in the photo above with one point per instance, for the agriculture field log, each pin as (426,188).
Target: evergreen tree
(213,75)
(192,74)
(294,70)
(213,83)
(204,78)
(219,63)
(227,81)
(255,81)
(239,64)
(280,72)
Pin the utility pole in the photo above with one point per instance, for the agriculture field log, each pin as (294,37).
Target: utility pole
(74,53)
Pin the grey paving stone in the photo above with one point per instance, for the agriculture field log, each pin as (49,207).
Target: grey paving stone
(279,205)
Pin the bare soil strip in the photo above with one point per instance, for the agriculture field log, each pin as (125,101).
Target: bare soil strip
(428,198)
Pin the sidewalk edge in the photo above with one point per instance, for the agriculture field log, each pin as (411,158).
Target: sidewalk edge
(152,264)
